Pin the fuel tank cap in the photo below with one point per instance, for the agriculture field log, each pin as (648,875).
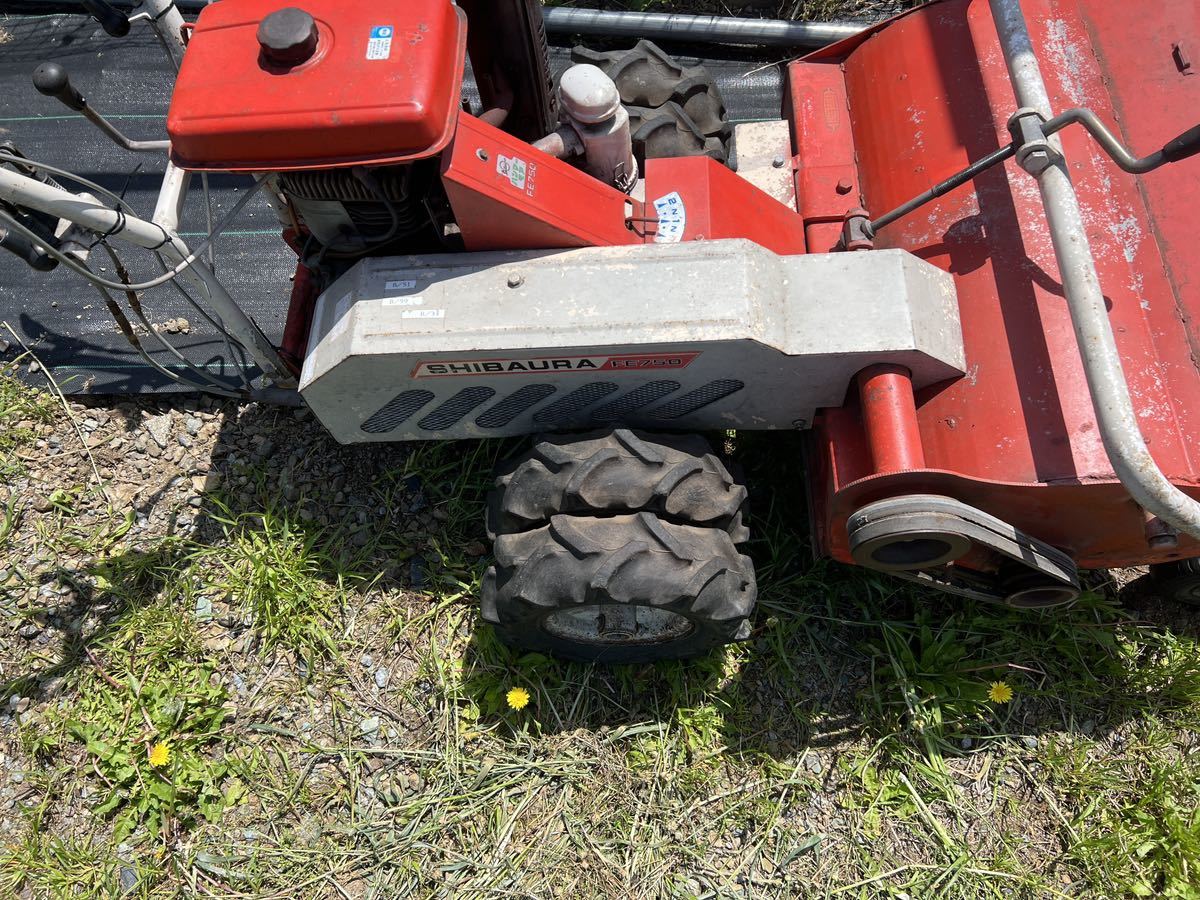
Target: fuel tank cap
(288,37)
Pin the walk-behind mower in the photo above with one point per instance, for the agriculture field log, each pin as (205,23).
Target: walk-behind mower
(941,263)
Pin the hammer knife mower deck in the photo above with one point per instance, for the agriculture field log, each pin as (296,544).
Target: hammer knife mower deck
(941,263)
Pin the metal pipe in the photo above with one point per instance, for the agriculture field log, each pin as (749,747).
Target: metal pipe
(1119,429)
(605,23)
(171,196)
(889,412)
(167,21)
(697,29)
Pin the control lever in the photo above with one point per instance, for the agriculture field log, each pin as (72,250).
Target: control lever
(112,20)
(1029,132)
(51,79)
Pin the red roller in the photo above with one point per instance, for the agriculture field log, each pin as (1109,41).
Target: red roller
(890,417)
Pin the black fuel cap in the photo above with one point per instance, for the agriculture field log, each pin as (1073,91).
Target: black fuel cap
(288,37)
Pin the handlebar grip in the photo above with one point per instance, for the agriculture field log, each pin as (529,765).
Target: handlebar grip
(112,20)
(51,79)
(1187,144)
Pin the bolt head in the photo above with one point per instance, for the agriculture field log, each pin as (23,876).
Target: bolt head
(779,162)
(515,280)
(845,186)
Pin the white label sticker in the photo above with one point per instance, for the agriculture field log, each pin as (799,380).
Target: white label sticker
(380,44)
(400,285)
(404,301)
(672,219)
(514,169)
(423,314)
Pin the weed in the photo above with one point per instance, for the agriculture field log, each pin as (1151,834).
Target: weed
(22,410)
(279,571)
(150,691)
(1136,825)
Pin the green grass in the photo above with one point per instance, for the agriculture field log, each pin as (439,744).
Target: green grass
(849,749)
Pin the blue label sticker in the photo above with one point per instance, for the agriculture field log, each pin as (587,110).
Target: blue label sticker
(380,44)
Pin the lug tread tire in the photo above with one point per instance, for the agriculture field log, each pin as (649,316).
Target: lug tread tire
(637,560)
(617,472)
(675,110)
(1179,581)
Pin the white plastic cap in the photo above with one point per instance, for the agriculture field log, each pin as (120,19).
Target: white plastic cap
(588,95)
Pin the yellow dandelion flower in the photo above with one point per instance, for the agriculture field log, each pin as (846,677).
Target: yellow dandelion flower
(160,754)
(518,698)
(1000,692)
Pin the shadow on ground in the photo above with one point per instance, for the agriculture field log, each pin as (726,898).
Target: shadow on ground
(836,653)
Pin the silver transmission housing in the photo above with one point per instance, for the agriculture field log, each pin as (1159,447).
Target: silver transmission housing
(693,336)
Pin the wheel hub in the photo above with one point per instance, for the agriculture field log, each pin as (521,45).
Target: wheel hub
(617,623)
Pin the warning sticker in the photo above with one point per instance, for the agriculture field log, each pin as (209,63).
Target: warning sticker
(380,44)
(514,169)
(672,219)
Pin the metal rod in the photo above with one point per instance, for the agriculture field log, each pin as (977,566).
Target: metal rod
(1106,139)
(1119,429)
(1120,154)
(944,187)
(120,139)
(697,29)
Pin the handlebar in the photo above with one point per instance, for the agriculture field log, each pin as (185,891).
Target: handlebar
(111,19)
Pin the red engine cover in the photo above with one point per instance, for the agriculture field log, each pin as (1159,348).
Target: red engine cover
(383,86)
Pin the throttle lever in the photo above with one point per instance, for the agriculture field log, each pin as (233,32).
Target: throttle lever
(111,19)
(51,79)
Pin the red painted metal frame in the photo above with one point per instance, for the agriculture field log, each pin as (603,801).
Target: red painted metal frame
(1017,437)
(555,205)
(827,183)
(550,205)
(721,204)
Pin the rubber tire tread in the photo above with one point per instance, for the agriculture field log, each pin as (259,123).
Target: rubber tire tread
(1179,581)
(635,560)
(618,471)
